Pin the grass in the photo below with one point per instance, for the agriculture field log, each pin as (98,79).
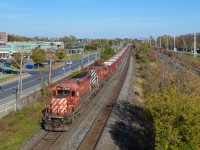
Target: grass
(18,127)
(138,85)
(2,80)
(187,56)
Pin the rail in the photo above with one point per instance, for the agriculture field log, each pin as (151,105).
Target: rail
(47,141)
(92,137)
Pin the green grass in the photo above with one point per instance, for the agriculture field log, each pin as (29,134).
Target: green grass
(19,127)
(73,57)
(187,56)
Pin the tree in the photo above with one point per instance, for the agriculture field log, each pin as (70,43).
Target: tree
(16,60)
(172,98)
(38,55)
(107,53)
(60,54)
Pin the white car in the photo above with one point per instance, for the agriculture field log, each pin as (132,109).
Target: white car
(69,62)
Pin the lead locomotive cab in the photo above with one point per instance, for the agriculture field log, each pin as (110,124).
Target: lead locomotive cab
(60,112)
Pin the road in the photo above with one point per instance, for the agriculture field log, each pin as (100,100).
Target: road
(33,82)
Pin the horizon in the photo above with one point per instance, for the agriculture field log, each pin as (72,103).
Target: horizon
(95,19)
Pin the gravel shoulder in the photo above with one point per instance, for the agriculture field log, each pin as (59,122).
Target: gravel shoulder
(106,142)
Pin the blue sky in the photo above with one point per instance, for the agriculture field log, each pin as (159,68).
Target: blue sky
(99,18)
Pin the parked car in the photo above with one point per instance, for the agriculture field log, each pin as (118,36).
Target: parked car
(7,64)
(30,67)
(10,71)
(40,65)
(1,69)
(3,60)
(45,62)
(69,62)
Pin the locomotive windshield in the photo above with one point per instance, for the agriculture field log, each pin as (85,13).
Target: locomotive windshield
(62,92)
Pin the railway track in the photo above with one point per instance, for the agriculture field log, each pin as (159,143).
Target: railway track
(54,140)
(92,137)
(179,65)
(47,141)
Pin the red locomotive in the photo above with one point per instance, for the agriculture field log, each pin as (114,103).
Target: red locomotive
(68,97)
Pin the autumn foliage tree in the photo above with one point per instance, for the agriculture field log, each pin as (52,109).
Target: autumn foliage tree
(16,60)
(174,101)
(38,55)
(60,54)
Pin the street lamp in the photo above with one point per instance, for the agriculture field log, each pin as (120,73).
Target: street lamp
(83,54)
(69,63)
(50,66)
(19,93)
(97,53)
(64,70)
(88,58)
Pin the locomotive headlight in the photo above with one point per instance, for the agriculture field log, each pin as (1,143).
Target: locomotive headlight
(62,119)
(49,119)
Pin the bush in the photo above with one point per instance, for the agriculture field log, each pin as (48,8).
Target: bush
(152,57)
(173,99)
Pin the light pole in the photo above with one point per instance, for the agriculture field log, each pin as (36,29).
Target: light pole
(83,54)
(19,93)
(69,64)
(50,64)
(64,70)
(97,53)
(175,43)
(195,45)
(88,58)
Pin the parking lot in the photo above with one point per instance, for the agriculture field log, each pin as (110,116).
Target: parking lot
(3,75)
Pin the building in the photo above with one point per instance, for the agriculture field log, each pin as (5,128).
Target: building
(10,48)
(3,38)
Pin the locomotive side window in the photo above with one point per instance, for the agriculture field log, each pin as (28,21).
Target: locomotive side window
(73,94)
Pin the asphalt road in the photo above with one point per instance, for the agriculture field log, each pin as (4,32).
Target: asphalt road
(33,82)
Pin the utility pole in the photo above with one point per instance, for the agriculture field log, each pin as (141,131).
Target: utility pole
(195,45)
(160,42)
(175,43)
(83,54)
(167,44)
(50,64)
(150,41)
(20,74)
(155,42)
(97,53)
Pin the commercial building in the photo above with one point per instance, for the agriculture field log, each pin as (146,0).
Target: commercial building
(3,38)
(7,50)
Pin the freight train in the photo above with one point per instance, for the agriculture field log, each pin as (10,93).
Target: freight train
(69,96)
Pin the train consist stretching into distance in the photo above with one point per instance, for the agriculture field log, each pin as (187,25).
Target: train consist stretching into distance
(69,96)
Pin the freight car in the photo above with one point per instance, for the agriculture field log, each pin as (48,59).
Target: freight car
(69,96)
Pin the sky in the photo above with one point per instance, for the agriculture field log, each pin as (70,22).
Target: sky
(99,18)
